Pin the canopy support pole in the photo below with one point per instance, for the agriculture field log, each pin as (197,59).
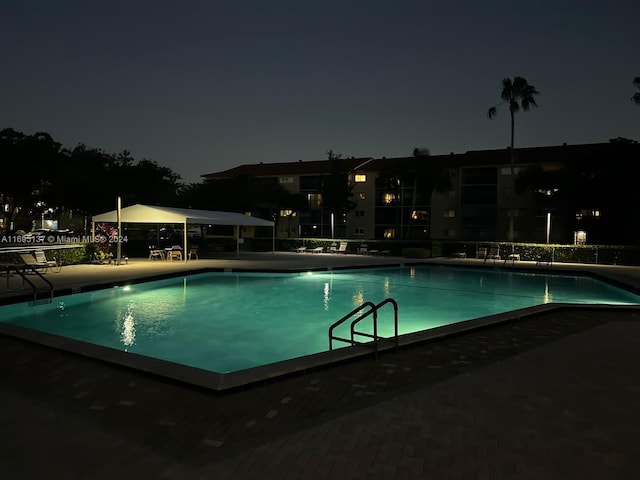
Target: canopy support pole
(185,234)
(237,234)
(119,246)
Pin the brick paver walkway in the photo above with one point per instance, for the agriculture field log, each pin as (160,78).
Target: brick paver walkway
(554,396)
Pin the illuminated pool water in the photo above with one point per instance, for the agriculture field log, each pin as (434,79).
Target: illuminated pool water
(225,322)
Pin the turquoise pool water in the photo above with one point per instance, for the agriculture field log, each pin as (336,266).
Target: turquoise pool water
(226,322)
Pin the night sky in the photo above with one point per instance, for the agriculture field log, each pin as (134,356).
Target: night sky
(202,86)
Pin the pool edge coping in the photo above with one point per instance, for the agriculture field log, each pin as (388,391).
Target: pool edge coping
(226,382)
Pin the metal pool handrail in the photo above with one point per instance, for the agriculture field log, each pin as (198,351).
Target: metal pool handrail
(22,272)
(373,310)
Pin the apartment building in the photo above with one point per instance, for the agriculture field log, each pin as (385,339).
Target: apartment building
(556,194)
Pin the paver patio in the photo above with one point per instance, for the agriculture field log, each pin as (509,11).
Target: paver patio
(555,396)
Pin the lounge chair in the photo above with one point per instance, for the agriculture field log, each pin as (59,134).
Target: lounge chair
(363,249)
(193,253)
(41,258)
(30,263)
(494,254)
(544,257)
(155,253)
(482,253)
(317,250)
(513,257)
(333,248)
(342,248)
(174,253)
(301,249)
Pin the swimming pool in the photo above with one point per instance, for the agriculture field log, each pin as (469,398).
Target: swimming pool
(227,322)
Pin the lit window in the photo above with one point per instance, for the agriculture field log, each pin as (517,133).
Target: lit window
(287,213)
(360,178)
(580,237)
(547,191)
(314,199)
(388,198)
(580,214)
(362,196)
(389,233)
(449,214)
(419,215)
(358,231)
(286,180)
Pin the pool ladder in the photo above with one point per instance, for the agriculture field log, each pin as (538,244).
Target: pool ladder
(22,273)
(366,310)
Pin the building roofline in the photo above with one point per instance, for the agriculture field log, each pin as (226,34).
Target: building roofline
(470,157)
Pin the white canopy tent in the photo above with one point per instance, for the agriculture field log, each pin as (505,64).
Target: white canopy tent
(185,216)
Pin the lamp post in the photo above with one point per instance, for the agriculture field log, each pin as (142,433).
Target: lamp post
(548,229)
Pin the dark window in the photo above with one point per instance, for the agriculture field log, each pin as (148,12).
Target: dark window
(480,176)
(478,195)
(311,182)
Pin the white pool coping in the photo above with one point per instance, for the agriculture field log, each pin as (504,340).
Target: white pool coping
(220,382)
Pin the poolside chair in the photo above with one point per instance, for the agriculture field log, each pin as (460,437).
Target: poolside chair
(342,248)
(41,258)
(30,263)
(317,250)
(513,257)
(333,248)
(544,257)
(482,253)
(193,253)
(155,253)
(174,253)
(301,249)
(494,254)
(363,249)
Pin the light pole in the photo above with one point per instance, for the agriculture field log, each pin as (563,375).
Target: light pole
(548,226)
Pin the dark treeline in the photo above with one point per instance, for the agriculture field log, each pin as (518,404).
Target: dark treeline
(41,178)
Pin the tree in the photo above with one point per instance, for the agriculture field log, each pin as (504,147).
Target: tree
(517,93)
(636,97)
(73,183)
(421,152)
(336,191)
(410,181)
(580,181)
(146,181)
(32,158)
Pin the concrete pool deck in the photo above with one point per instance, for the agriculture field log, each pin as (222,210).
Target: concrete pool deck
(555,396)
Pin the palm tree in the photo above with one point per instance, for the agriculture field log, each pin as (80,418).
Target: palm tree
(517,93)
(636,97)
